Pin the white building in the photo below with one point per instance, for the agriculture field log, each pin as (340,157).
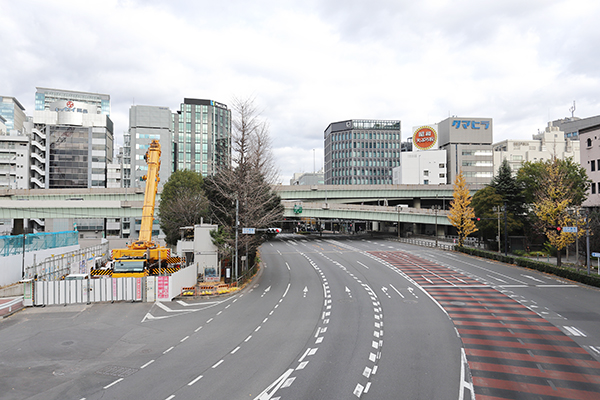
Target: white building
(426,164)
(543,146)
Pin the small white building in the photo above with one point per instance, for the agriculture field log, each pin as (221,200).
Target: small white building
(543,146)
(202,252)
(590,160)
(421,168)
(426,164)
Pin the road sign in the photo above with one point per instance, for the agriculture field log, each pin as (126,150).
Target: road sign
(569,229)
(248,231)
(596,255)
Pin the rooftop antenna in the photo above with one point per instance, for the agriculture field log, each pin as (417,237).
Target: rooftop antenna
(572,109)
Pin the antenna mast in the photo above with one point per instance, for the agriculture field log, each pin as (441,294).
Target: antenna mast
(572,109)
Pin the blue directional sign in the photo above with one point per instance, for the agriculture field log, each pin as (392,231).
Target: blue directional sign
(248,231)
(569,229)
(597,255)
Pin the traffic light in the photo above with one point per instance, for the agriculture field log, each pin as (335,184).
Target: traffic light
(476,219)
(274,230)
(556,229)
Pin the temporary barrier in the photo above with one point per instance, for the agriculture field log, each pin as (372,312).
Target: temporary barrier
(91,290)
(88,291)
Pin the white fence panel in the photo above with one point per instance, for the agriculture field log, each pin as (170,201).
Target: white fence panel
(86,291)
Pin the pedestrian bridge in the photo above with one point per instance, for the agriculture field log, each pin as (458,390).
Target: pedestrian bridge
(393,203)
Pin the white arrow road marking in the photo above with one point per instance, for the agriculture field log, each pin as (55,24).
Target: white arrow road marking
(349,292)
(384,289)
(266,291)
(266,395)
(305,290)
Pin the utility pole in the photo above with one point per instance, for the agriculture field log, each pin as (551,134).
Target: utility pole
(237,207)
(505,230)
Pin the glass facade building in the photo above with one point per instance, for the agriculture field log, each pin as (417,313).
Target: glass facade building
(44,97)
(361,152)
(13,113)
(201,136)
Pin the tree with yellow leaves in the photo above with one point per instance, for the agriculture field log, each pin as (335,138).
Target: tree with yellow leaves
(461,213)
(551,206)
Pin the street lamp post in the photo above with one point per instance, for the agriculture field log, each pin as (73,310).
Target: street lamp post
(498,209)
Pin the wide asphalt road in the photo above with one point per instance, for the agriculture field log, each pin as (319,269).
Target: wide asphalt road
(326,318)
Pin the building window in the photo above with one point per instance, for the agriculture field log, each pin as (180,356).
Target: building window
(426,182)
(593,165)
(425,173)
(589,142)
(442,166)
(593,187)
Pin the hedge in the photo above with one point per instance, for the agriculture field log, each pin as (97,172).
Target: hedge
(563,272)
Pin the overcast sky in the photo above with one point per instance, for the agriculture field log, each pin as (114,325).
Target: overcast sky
(309,63)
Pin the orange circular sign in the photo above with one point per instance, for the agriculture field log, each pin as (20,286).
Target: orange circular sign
(424,138)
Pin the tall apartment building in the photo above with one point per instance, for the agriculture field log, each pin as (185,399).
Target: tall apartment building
(361,152)
(201,136)
(545,145)
(148,123)
(468,145)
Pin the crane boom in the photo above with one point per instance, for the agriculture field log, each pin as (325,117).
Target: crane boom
(152,158)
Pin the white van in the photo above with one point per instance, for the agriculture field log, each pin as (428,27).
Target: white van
(75,277)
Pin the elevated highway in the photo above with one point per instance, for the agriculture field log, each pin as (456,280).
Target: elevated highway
(391,203)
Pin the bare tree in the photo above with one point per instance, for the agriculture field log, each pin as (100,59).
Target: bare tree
(247,182)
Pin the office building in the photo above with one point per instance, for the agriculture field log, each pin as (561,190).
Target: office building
(552,143)
(201,136)
(78,135)
(361,152)
(308,178)
(147,123)
(13,113)
(468,145)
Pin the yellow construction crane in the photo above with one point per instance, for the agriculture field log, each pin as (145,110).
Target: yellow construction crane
(143,256)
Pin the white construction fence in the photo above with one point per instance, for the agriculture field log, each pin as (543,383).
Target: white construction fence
(147,289)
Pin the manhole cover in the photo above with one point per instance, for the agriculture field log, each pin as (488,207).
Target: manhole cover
(115,370)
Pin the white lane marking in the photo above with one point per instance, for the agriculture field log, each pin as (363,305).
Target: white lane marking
(574,331)
(427,279)
(274,387)
(319,340)
(286,290)
(265,320)
(288,266)
(114,383)
(555,286)
(302,365)
(367,372)
(498,279)
(288,382)
(305,291)
(197,329)
(208,322)
(217,364)
(397,291)
(170,397)
(148,363)
(248,338)
(195,380)
(184,339)
(168,350)
(257,328)
(363,264)
(367,387)
(532,278)
(235,350)
(220,312)
(358,390)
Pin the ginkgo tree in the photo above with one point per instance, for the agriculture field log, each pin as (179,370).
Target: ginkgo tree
(552,202)
(461,214)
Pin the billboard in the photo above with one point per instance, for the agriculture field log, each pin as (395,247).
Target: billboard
(425,138)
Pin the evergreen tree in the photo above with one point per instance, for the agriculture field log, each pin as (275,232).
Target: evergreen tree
(182,203)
